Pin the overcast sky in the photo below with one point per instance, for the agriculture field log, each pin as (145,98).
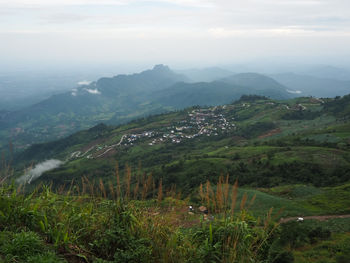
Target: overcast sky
(175,32)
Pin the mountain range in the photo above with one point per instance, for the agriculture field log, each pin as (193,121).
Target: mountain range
(122,98)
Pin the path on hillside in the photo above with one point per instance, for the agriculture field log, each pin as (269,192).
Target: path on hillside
(320,218)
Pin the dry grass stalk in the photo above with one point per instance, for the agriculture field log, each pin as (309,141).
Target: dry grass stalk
(102,189)
(90,185)
(251,201)
(213,199)
(128,182)
(70,187)
(268,218)
(173,191)
(234,197)
(207,197)
(78,189)
(153,188)
(60,190)
(201,193)
(243,202)
(219,195)
(83,185)
(111,190)
(19,188)
(160,191)
(226,191)
(136,189)
(146,186)
(118,180)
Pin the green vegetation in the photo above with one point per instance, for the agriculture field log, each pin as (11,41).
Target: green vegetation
(49,227)
(248,140)
(290,158)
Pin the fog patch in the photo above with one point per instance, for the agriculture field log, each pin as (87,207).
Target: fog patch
(93,91)
(294,91)
(84,82)
(38,170)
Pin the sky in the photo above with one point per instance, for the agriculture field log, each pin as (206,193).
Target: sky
(182,33)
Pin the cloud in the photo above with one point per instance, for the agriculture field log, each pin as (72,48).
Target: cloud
(65,18)
(294,91)
(84,82)
(38,170)
(93,91)
(154,30)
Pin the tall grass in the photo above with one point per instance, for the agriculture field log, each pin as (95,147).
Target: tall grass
(135,220)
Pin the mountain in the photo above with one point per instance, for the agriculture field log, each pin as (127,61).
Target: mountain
(205,74)
(120,98)
(262,141)
(259,84)
(222,91)
(313,86)
(182,95)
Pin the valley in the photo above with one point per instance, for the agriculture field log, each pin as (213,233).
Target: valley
(256,162)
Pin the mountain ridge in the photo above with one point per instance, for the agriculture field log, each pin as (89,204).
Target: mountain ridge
(117,100)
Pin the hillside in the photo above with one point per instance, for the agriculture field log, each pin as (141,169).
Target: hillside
(258,140)
(259,84)
(136,181)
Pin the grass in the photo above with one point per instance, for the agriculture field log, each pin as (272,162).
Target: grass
(336,250)
(334,200)
(49,227)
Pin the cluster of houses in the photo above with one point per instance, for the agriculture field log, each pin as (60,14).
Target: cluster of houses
(198,122)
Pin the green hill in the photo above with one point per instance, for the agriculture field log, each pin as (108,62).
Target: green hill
(262,142)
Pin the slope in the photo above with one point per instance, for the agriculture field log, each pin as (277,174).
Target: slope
(255,139)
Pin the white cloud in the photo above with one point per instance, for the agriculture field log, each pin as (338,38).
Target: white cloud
(93,91)
(84,82)
(294,91)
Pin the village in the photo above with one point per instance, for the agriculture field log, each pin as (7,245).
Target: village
(198,122)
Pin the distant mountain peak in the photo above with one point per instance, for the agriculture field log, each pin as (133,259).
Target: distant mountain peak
(161,67)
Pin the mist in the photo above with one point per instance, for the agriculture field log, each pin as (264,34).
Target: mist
(38,170)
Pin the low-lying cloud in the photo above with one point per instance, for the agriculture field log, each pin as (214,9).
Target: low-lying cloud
(294,91)
(84,82)
(93,91)
(38,170)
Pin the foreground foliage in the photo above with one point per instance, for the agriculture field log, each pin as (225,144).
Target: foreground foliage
(47,227)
